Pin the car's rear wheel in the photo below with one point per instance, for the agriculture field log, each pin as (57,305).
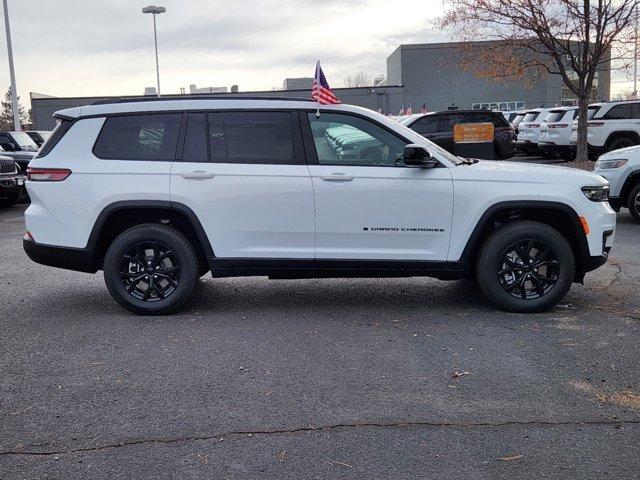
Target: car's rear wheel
(151,269)
(525,267)
(634,202)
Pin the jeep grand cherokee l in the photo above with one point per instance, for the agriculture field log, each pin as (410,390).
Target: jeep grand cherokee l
(157,193)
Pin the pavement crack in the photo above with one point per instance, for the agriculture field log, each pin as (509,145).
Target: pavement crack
(20,450)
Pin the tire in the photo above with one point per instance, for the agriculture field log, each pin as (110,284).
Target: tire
(619,143)
(634,202)
(10,200)
(151,269)
(545,284)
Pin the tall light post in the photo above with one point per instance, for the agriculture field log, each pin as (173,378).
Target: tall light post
(12,73)
(152,9)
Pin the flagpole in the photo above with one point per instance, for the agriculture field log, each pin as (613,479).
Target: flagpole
(318,96)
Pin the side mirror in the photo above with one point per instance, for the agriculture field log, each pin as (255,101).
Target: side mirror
(418,156)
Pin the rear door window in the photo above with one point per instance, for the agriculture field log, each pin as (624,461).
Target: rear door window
(425,125)
(555,116)
(253,138)
(139,137)
(619,112)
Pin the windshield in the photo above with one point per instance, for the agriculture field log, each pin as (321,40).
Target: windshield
(516,121)
(24,141)
(531,116)
(555,116)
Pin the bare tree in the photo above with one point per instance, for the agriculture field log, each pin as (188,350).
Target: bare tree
(571,38)
(6,113)
(360,79)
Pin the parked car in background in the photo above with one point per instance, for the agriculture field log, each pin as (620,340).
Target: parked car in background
(555,133)
(11,182)
(517,120)
(611,126)
(19,146)
(438,127)
(38,136)
(529,130)
(147,191)
(510,115)
(622,169)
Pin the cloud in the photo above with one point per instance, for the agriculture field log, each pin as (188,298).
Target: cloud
(105,47)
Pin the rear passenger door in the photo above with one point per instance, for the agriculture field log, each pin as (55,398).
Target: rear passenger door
(618,118)
(244,175)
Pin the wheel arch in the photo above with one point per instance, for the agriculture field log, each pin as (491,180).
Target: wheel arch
(631,181)
(119,216)
(559,216)
(631,134)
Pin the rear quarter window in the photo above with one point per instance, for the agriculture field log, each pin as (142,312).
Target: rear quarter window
(59,131)
(139,137)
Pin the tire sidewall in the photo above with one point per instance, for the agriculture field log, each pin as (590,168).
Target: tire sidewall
(491,254)
(631,204)
(170,238)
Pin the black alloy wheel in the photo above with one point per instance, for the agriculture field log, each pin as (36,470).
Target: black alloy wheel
(528,269)
(150,271)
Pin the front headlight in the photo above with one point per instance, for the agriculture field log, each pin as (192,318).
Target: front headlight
(597,194)
(605,164)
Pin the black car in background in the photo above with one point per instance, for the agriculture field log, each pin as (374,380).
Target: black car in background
(19,146)
(438,127)
(11,182)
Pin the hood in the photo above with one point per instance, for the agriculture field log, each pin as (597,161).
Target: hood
(527,173)
(635,150)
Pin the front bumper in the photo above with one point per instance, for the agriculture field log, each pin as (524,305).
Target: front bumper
(10,184)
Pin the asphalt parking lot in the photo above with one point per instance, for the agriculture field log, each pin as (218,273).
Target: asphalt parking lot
(385,378)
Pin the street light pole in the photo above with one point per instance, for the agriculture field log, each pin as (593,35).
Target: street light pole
(152,9)
(12,73)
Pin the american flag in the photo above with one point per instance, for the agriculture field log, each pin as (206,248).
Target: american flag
(321,91)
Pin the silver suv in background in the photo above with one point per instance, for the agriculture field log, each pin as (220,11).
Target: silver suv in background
(19,146)
(529,130)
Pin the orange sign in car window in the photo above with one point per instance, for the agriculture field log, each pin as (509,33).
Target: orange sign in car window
(473,132)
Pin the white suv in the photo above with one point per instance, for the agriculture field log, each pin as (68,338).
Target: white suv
(529,130)
(611,126)
(157,193)
(555,133)
(622,169)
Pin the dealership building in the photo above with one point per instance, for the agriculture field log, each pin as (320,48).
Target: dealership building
(419,74)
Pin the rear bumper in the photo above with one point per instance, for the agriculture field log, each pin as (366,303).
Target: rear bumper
(548,147)
(78,259)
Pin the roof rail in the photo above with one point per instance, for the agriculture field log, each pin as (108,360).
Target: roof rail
(168,98)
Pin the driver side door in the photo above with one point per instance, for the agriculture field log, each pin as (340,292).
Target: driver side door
(368,204)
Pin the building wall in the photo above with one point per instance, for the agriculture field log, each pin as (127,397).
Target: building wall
(430,73)
(389,99)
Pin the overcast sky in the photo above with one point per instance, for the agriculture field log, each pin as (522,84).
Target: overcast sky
(105,47)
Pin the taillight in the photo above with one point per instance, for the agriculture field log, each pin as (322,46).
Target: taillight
(558,125)
(532,125)
(595,124)
(47,174)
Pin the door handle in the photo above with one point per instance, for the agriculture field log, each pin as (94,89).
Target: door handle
(197,175)
(337,177)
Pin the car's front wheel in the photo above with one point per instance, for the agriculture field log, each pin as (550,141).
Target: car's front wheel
(634,202)
(525,267)
(151,269)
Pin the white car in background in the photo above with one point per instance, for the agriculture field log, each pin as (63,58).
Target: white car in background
(529,130)
(622,169)
(611,126)
(555,133)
